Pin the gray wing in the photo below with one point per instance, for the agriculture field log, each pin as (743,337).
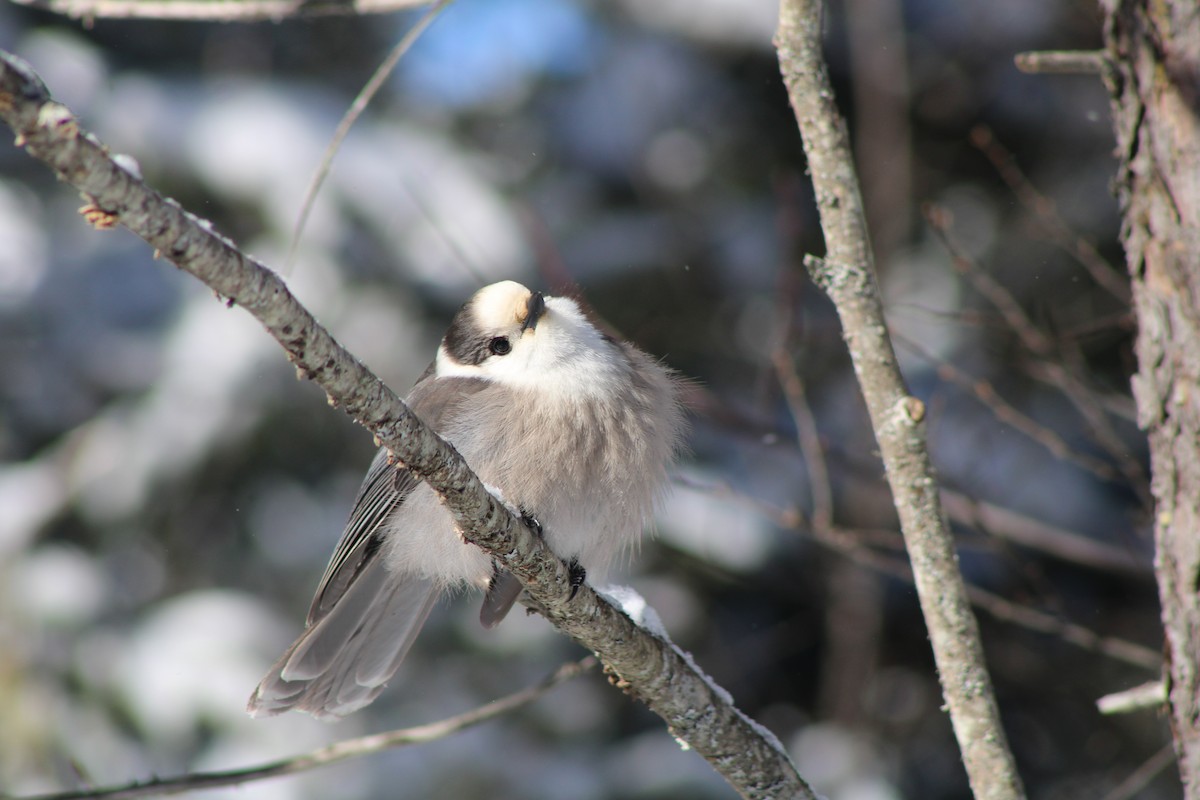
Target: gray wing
(363,618)
(502,592)
(383,490)
(343,662)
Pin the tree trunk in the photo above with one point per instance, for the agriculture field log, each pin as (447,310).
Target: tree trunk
(1154,79)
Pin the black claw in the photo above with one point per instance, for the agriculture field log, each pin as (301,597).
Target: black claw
(577,575)
(531,522)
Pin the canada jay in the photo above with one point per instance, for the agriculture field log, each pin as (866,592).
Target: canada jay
(576,430)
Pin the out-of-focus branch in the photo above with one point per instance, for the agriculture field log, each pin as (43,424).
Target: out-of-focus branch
(218,10)
(1062,62)
(331,754)
(1052,364)
(807,436)
(878,51)
(847,276)
(1149,695)
(985,392)
(864,549)
(361,101)
(1034,534)
(1047,217)
(644,664)
(996,293)
(1140,778)
(1036,620)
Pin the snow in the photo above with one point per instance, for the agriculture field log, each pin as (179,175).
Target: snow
(196,656)
(31,493)
(842,763)
(70,64)
(23,257)
(636,608)
(714,529)
(58,583)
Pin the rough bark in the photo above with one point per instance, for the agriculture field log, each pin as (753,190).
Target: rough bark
(847,275)
(1153,74)
(697,711)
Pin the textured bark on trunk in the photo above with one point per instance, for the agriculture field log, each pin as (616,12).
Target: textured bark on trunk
(1153,75)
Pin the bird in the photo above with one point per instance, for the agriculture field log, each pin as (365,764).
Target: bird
(577,430)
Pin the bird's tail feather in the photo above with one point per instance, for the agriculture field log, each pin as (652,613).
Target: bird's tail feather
(342,662)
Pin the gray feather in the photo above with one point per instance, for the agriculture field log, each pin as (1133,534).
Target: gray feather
(364,618)
(344,661)
(502,592)
(383,490)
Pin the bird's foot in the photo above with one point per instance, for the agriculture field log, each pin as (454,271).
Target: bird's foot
(577,575)
(531,522)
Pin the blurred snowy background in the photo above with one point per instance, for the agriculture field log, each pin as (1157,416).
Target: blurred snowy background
(169,492)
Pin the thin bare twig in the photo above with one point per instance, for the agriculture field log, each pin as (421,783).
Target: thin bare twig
(847,275)
(1035,620)
(351,116)
(808,438)
(1141,777)
(882,94)
(1149,695)
(1062,62)
(861,546)
(846,542)
(1123,321)
(1114,403)
(807,435)
(1048,219)
(1003,411)
(1049,365)
(331,754)
(1034,534)
(996,293)
(1067,380)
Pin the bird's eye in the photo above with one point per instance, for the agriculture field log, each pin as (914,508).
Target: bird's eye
(500,346)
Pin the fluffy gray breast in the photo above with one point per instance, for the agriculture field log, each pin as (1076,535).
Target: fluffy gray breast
(566,446)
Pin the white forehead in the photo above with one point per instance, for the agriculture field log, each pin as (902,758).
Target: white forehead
(563,343)
(500,304)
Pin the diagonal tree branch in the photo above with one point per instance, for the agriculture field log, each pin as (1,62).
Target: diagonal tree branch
(643,663)
(847,275)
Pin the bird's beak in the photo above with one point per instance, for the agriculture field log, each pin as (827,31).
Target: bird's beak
(534,308)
